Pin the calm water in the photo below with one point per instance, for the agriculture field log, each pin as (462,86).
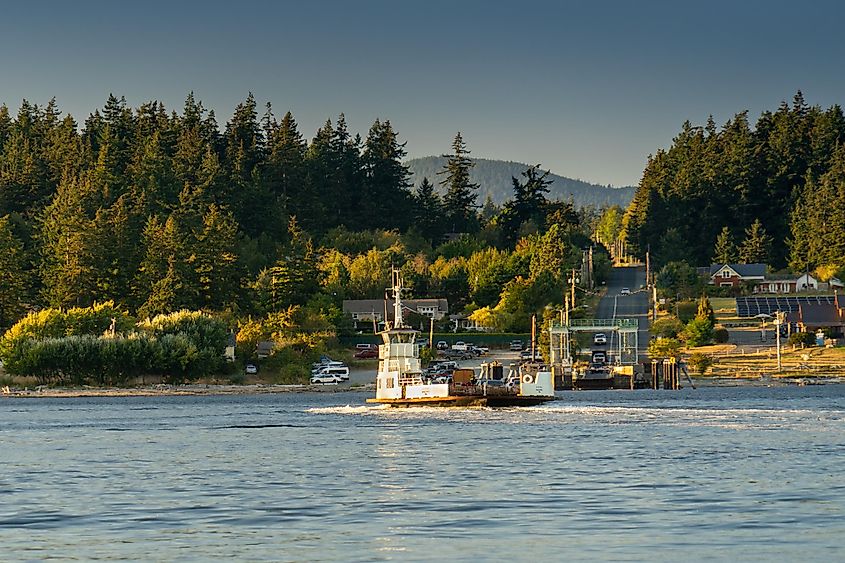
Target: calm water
(707,474)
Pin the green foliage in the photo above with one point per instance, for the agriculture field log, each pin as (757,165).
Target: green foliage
(757,246)
(697,332)
(678,279)
(13,275)
(461,193)
(667,327)
(705,310)
(802,339)
(739,176)
(700,362)
(71,347)
(664,348)
(686,310)
(721,336)
(725,251)
(202,329)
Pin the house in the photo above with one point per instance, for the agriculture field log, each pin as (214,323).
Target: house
(365,311)
(732,275)
(786,283)
(461,322)
(811,317)
(231,343)
(263,349)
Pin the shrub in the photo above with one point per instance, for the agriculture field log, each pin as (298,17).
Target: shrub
(698,332)
(721,336)
(802,339)
(664,348)
(668,327)
(700,362)
(686,310)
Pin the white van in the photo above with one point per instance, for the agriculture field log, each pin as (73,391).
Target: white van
(339,371)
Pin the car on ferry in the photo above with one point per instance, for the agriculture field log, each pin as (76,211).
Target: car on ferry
(516,345)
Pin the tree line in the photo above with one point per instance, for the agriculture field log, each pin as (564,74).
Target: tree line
(774,193)
(159,211)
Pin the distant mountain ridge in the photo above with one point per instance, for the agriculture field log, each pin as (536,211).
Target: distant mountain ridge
(494,177)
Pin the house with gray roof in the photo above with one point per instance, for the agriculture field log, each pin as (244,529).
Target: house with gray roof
(733,275)
(365,312)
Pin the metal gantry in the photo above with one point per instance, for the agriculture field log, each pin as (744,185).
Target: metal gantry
(560,338)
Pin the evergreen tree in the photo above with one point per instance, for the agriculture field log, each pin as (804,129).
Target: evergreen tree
(385,180)
(461,193)
(705,310)
(528,204)
(725,251)
(428,211)
(216,263)
(285,169)
(756,248)
(68,265)
(13,282)
(294,275)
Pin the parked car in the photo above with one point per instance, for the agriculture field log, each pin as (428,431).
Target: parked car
(525,355)
(442,345)
(516,345)
(625,291)
(325,379)
(365,346)
(599,357)
(457,354)
(460,345)
(366,353)
(342,372)
(251,369)
(599,338)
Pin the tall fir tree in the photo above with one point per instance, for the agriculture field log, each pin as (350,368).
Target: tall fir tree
(459,202)
(757,246)
(725,251)
(14,284)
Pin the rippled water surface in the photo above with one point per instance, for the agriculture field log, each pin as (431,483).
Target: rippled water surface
(714,473)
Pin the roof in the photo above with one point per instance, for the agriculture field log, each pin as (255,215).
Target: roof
(744,270)
(814,315)
(379,305)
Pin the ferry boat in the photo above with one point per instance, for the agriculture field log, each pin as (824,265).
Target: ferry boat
(400,381)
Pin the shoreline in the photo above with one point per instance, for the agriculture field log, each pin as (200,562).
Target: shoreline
(162,390)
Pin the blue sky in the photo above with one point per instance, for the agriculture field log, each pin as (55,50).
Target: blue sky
(587,89)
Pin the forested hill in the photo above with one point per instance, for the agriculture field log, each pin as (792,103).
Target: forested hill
(771,192)
(494,178)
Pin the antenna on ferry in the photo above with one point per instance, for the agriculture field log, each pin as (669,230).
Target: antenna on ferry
(397,298)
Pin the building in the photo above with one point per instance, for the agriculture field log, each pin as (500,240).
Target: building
(366,311)
(755,277)
(811,317)
(786,283)
(733,275)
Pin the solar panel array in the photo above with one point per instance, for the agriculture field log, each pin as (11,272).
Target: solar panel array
(753,306)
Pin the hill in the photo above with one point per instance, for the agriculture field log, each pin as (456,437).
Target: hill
(494,177)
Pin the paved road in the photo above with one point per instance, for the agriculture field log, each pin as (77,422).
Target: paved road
(634,306)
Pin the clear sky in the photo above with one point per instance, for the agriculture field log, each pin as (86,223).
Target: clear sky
(587,89)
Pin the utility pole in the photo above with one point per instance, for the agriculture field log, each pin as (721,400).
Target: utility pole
(778,322)
(573,288)
(566,308)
